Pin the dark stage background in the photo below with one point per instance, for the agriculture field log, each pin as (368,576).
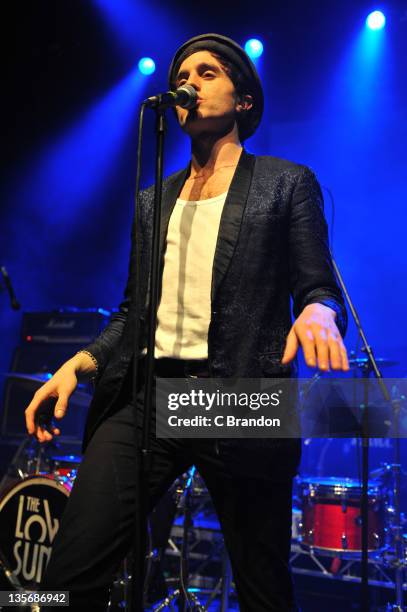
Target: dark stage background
(336,100)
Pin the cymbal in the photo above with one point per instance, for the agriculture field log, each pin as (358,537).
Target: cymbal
(32,382)
(40,377)
(66,458)
(362,362)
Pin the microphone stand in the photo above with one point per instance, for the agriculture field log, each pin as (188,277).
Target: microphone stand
(186,96)
(137,591)
(15,305)
(371,367)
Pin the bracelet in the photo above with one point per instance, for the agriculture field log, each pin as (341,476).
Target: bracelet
(94,361)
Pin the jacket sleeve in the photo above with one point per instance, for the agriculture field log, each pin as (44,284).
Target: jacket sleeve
(312,277)
(103,346)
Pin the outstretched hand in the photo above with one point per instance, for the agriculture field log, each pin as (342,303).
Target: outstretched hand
(316,331)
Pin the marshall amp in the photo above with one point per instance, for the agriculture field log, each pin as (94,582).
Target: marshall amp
(48,339)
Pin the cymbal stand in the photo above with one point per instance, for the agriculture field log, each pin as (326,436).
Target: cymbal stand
(396,532)
(27,460)
(223,586)
(186,600)
(371,367)
(396,557)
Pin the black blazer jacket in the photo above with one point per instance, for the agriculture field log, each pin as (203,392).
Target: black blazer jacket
(272,244)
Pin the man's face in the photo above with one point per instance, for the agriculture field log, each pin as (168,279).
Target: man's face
(217,100)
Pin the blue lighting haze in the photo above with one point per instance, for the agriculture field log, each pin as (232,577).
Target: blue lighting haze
(68,173)
(134,23)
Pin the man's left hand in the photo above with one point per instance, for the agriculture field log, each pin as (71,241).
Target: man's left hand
(316,331)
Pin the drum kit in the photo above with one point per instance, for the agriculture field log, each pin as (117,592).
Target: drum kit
(326,521)
(33,496)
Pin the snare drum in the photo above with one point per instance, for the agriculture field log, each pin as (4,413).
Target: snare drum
(30,515)
(331,518)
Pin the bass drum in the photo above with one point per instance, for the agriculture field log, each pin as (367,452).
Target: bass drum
(30,515)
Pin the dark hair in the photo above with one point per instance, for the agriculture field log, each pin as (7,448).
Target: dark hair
(242,86)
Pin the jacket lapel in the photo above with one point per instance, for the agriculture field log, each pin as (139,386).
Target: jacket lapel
(231,219)
(170,194)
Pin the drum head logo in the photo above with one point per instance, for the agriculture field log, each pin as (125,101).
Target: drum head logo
(30,516)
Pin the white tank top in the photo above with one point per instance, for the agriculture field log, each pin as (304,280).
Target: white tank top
(184,312)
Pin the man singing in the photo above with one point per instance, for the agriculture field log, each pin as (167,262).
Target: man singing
(240,235)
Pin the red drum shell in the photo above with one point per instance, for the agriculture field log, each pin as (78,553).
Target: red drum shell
(331,516)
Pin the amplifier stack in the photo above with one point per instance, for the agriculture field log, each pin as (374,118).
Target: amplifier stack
(48,339)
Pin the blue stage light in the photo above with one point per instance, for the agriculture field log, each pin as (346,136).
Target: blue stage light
(146,65)
(254,48)
(376,20)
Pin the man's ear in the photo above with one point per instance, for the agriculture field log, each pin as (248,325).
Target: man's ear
(244,103)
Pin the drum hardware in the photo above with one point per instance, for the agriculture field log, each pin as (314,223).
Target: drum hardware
(344,540)
(395,553)
(64,467)
(187,489)
(186,599)
(296,522)
(31,458)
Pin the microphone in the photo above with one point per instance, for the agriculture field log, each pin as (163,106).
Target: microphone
(185,96)
(14,304)
(44,415)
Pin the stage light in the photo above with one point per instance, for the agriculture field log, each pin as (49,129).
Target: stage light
(376,20)
(254,48)
(146,65)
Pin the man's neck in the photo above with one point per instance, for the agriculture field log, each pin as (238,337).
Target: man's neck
(210,153)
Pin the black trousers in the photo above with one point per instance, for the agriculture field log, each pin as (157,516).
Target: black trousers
(253,507)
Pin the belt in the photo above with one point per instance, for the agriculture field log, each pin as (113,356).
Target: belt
(167,367)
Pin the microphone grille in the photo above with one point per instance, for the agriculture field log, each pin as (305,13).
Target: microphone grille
(189,96)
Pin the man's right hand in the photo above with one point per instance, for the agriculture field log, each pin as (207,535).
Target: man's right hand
(60,386)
